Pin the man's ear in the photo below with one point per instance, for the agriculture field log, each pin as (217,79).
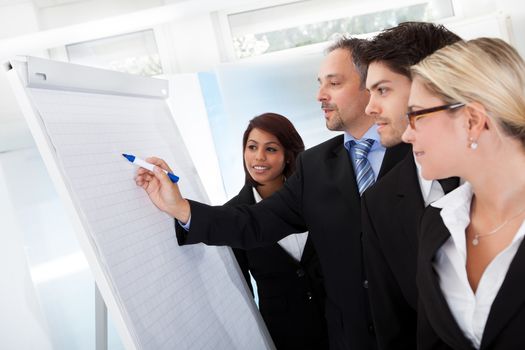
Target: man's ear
(477,119)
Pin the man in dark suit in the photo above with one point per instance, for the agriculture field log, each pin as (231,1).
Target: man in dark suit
(322,197)
(392,208)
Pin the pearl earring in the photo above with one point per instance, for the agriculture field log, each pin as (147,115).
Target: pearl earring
(473,144)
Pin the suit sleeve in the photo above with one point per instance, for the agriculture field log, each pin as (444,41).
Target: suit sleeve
(242,260)
(384,292)
(427,338)
(248,226)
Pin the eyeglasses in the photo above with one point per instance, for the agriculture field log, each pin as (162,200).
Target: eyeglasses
(422,113)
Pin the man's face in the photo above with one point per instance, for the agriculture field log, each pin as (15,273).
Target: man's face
(389,92)
(342,99)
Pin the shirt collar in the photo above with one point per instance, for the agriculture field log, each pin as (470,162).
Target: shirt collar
(369,134)
(256,195)
(459,199)
(455,212)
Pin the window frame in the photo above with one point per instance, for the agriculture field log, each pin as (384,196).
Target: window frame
(313,11)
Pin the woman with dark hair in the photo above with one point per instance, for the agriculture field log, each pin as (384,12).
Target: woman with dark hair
(289,283)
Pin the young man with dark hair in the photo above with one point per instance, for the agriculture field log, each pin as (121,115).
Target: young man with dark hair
(392,208)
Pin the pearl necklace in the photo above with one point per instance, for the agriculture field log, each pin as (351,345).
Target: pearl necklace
(477,236)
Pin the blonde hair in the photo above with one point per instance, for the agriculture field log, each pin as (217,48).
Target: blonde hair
(484,70)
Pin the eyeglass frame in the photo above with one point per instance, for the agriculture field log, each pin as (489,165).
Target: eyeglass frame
(414,116)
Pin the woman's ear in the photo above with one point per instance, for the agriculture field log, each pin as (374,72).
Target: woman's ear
(477,119)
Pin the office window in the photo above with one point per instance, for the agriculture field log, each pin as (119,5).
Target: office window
(134,53)
(252,33)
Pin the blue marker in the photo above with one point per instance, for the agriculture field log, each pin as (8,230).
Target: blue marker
(149,166)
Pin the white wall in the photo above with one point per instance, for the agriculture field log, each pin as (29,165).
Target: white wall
(17,20)
(14,133)
(516,10)
(44,304)
(188,45)
(513,8)
(85,11)
(22,324)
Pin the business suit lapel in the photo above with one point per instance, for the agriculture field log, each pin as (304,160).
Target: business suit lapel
(508,301)
(440,316)
(342,173)
(392,156)
(410,206)
(308,252)
(245,196)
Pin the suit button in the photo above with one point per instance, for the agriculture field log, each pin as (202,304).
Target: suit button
(300,272)
(371,329)
(309,295)
(365,284)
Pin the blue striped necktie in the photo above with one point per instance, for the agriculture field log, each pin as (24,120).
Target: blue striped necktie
(364,174)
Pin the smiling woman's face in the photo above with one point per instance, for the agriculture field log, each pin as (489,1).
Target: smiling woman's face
(264,157)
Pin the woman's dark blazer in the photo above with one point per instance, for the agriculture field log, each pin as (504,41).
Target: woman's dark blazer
(291,293)
(437,328)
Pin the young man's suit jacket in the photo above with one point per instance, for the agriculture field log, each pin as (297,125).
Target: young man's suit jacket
(322,198)
(291,293)
(437,328)
(392,210)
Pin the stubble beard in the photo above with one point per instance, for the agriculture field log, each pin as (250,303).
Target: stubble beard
(390,139)
(335,123)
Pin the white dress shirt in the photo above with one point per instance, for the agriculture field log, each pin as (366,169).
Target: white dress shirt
(292,244)
(470,309)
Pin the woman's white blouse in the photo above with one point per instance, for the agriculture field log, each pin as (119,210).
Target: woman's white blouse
(470,309)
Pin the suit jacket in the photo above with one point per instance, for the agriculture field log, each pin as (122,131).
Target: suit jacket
(320,197)
(391,213)
(291,292)
(437,328)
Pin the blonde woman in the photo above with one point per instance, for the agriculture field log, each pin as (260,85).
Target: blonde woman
(467,119)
